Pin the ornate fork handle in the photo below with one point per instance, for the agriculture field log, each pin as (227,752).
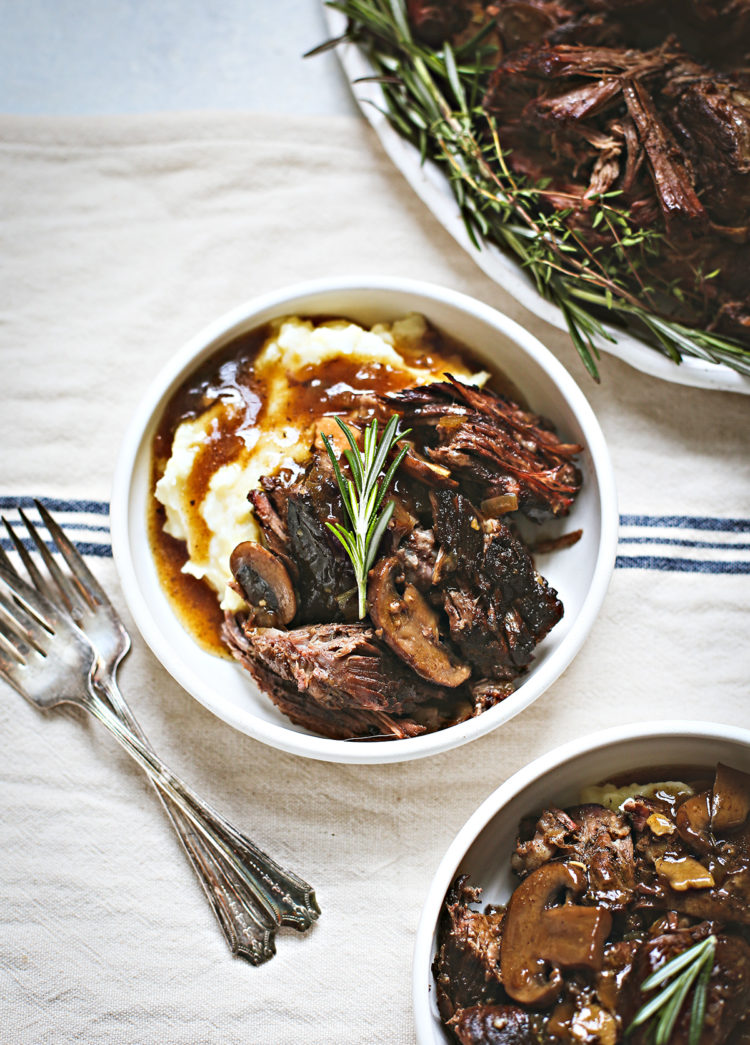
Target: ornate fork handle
(247,927)
(281,896)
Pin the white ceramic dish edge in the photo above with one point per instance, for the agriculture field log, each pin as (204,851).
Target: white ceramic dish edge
(431,185)
(427,1033)
(319,747)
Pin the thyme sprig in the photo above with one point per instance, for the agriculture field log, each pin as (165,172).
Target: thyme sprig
(433,98)
(676,978)
(363,495)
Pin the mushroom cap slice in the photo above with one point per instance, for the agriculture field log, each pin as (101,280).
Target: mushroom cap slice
(541,940)
(264,583)
(693,820)
(730,799)
(410,627)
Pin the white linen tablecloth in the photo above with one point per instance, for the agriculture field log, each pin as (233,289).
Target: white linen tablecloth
(120,239)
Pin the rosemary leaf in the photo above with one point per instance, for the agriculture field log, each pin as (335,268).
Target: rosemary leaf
(698,1015)
(363,495)
(666,1006)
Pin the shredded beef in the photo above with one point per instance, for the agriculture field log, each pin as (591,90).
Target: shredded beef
(593,835)
(467,965)
(495,1025)
(647,101)
(483,438)
(498,607)
(341,681)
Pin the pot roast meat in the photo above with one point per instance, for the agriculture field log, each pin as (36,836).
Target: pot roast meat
(541,840)
(499,608)
(435,20)
(341,681)
(649,101)
(325,573)
(483,438)
(495,1025)
(468,582)
(711,120)
(272,525)
(467,964)
(288,515)
(672,182)
(417,555)
(595,836)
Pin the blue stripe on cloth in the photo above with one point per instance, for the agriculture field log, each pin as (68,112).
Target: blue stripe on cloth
(56,505)
(658,562)
(742,547)
(102,551)
(688,522)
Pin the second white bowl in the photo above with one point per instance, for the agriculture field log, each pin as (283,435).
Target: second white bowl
(483,847)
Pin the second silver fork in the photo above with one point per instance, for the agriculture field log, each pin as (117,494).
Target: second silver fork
(243,921)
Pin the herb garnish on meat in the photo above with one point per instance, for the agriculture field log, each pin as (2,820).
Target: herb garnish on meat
(676,977)
(363,495)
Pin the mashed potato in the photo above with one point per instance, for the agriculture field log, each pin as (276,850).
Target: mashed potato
(615,797)
(223,517)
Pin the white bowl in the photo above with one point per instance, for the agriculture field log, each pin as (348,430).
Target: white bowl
(580,574)
(483,846)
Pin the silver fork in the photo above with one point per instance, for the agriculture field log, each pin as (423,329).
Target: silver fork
(244,926)
(46,657)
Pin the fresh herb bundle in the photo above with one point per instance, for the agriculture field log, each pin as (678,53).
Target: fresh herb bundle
(433,98)
(363,495)
(676,977)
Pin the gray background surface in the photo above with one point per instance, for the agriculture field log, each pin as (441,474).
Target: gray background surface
(80,57)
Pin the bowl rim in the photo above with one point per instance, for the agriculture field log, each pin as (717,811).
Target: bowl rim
(281,736)
(541,766)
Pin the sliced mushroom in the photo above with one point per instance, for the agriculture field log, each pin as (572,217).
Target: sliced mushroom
(410,627)
(264,583)
(730,801)
(582,1021)
(693,820)
(540,940)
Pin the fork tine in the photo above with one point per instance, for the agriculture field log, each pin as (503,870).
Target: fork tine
(73,557)
(70,595)
(31,567)
(16,636)
(10,671)
(8,664)
(33,602)
(4,559)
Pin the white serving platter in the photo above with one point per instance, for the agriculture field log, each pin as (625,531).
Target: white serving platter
(433,188)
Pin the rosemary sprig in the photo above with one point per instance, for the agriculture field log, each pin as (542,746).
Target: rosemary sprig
(433,98)
(363,495)
(677,977)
